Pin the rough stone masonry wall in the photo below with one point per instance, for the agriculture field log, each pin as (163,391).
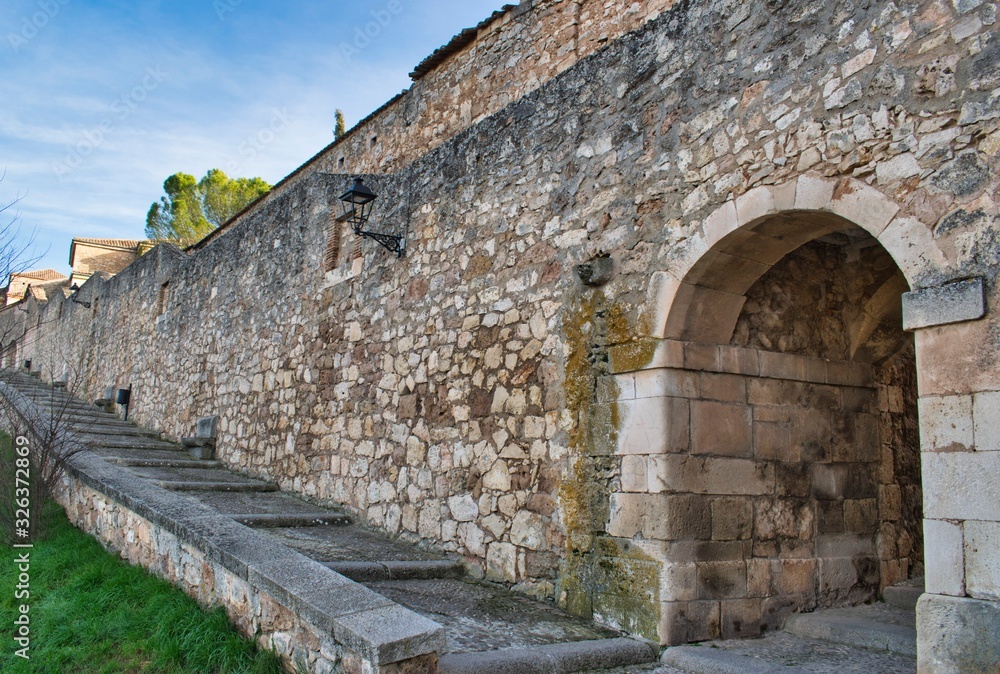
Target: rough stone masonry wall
(446,396)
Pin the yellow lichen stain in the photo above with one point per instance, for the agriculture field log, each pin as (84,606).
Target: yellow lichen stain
(602,577)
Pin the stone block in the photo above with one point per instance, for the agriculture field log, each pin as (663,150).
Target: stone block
(813,193)
(634,473)
(732,519)
(772,442)
(782,366)
(955,358)
(846,546)
(863,205)
(663,382)
(759,577)
(702,314)
(837,574)
(701,357)
(755,204)
(861,516)
(710,475)
(950,303)
(946,423)
(957,635)
(986,421)
(741,618)
(721,222)
(982,560)
(722,580)
(660,517)
(890,502)
(721,429)
(678,581)
(961,485)
(795,576)
(660,296)
(681,622)
(501,562)
(723,387)
(829,517)
(669,353)
(653,425)
(829,480)
(738,360)
(912,245)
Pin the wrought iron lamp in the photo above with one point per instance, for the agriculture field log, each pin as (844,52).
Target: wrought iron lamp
(358,209)
(72,298)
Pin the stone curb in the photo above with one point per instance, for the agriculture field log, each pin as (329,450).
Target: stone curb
(561,658)
(360,619)
(855,632)
(708,660)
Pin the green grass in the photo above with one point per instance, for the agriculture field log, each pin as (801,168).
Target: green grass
(93,613)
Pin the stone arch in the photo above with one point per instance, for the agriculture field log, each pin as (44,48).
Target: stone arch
(701,298)
(761,439)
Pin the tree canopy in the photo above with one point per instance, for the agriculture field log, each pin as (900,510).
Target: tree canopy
(193,208)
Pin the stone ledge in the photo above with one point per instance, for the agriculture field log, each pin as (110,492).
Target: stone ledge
(949,303)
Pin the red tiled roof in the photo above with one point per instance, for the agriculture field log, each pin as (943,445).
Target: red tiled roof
(40,274)
(114,243)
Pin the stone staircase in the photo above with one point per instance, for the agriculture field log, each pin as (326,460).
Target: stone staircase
(488,628)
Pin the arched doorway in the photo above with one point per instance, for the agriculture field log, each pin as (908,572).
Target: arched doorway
(797,482)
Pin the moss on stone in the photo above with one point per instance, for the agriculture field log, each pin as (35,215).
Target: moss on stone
(601,577)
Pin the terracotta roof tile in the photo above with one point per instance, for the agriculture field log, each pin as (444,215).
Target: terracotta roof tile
(114,243)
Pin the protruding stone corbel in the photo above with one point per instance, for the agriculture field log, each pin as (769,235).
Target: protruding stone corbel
(954,302)
(596,272)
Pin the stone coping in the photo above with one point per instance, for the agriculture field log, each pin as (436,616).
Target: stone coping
(374,627)
(724,358)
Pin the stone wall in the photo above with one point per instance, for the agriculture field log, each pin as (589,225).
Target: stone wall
(452,396)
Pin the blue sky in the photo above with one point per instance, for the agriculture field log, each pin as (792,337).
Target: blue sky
(100,101)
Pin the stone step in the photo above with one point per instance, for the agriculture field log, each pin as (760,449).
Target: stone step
(120,429)
(164,463)
(217,486)
(573,656)
(114,441)
(904,595)
(275,520)
(347,544)
(480,619)
(112,454)
(876,627)
(782,653)
(366,572)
